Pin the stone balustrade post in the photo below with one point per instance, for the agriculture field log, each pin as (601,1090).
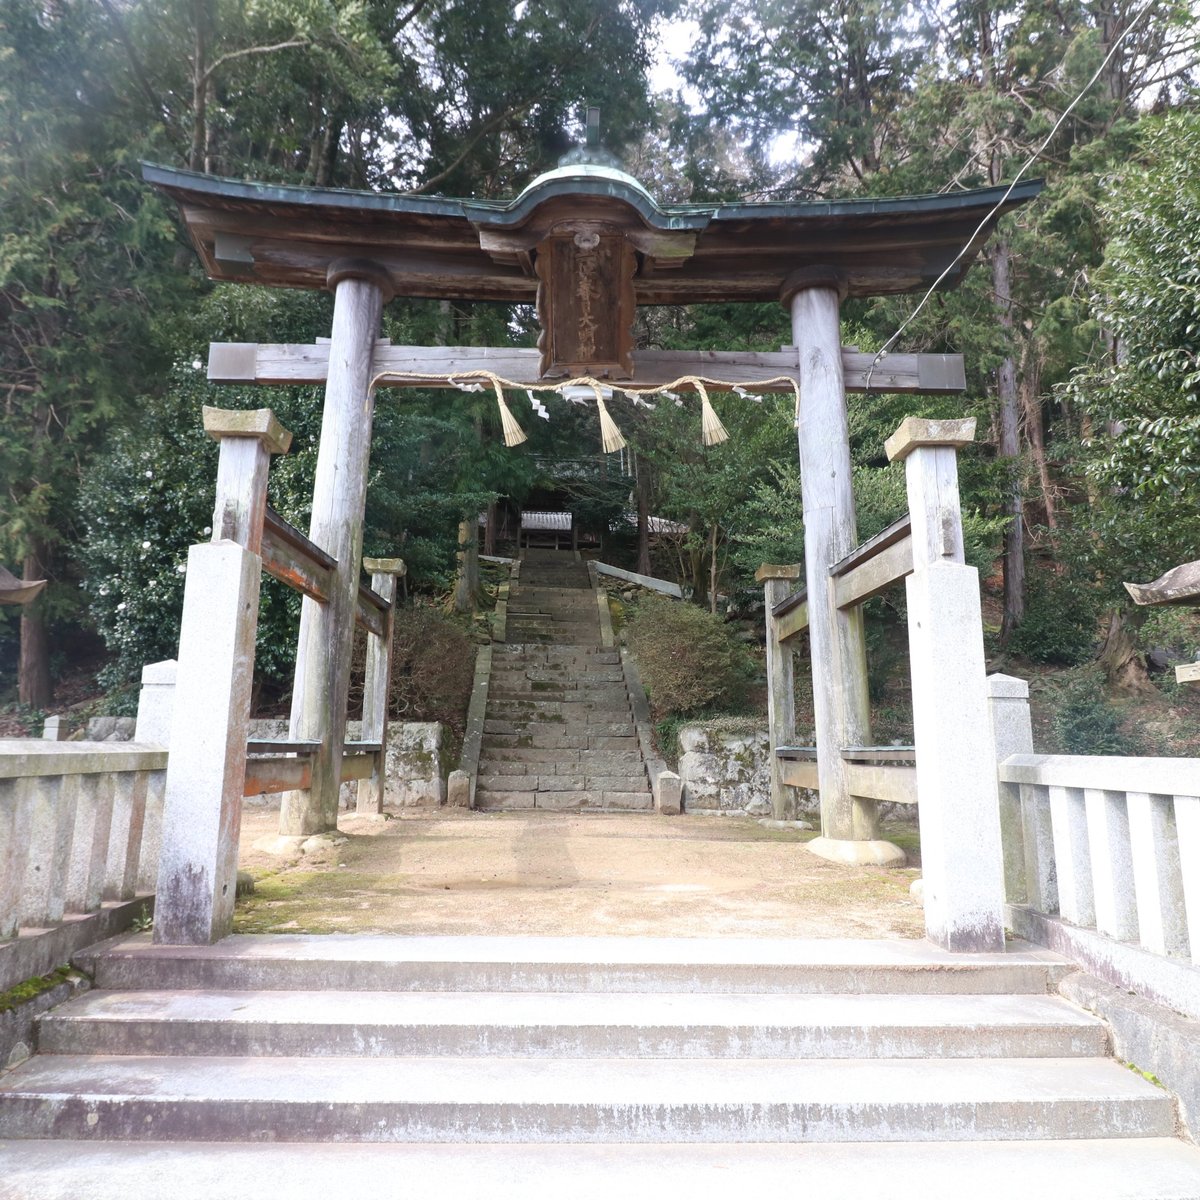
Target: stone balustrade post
(156,702)
(206,768)
(778,581)
(377,684)
(1012,729)
(957,783)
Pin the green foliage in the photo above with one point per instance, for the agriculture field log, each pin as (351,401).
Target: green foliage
(689,659)
(433,668)
(1084,721)
(1145,398)
(1060,619)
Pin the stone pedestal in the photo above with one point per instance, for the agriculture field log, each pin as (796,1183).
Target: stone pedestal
(206,770)
(961,854)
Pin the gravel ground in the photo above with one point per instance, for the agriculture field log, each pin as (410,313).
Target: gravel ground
(443,872)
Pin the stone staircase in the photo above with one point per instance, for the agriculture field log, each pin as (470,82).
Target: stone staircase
(527,1067)
(558,732)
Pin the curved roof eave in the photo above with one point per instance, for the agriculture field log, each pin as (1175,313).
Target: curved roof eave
(582,181)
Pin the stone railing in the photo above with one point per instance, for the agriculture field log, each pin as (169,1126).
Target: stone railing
(1102,857)
(80,824)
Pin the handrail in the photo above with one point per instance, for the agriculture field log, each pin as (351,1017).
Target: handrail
(897,531)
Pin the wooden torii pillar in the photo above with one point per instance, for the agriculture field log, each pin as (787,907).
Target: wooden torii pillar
(326,639)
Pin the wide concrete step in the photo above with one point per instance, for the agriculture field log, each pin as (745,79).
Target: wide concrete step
(496,1098)
(1084,1169)
(566,1024)
(357,962)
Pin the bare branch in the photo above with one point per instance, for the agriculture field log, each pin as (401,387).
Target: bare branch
(249,50)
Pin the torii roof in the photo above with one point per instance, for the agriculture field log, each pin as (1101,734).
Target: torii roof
(434,246)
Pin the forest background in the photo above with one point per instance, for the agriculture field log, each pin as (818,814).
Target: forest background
(1079,324)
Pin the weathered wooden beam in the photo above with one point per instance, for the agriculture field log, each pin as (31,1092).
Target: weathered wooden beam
(411,366)
(874,781)
(793,622)
(801,773)
(357,766)
(277,773)
(371,612)
(1188,673)
(665,586)
(1179,585)
(873,575)
(291,558)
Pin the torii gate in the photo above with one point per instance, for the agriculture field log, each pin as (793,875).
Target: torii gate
(587,244)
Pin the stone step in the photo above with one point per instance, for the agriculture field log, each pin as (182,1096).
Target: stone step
(523,689)
(568,711)
(552,739)
(796,966)
(566,655)
(1112,1168)
(547,724)
(523,798)
(572,1025)
(495,1098)
(532,754)
(592,766)
(489,782)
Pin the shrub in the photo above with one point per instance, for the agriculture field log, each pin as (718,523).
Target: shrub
(1084,722)
(689,659)
(1060,619)
(433,669)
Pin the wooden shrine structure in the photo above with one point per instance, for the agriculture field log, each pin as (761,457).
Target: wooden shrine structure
(587,244)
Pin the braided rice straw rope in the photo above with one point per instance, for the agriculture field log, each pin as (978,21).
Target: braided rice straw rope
(712,431)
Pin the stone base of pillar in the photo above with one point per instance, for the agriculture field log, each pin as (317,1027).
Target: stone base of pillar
(874,853)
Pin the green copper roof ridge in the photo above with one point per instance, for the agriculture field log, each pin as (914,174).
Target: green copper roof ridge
(552,183)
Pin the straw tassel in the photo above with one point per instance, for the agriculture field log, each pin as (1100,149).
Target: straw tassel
(610,435)
(514,435)
(712,431)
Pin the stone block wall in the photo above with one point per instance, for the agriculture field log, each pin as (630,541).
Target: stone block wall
(725,767)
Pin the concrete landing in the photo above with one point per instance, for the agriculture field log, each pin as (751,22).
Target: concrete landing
(1141,1169)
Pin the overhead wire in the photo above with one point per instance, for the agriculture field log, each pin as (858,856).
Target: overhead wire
(1033,157)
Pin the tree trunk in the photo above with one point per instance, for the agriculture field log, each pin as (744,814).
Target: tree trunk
(199,141)
(489,534)
(712,572)
(466,592)
(642,469)
(33,666)
(1030,389)
(1123,665)
(1009,451)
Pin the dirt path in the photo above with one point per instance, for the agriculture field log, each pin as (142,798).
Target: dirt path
(478,873)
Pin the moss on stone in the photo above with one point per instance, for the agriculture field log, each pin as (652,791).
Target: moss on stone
(30,988)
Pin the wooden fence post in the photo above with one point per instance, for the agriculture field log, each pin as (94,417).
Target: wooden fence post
(377,685)
(778,581)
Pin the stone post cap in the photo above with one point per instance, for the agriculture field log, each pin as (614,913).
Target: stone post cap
(777,571)
(919,431)
(385,566)
(161,673)
(257,423)
(1007,687)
